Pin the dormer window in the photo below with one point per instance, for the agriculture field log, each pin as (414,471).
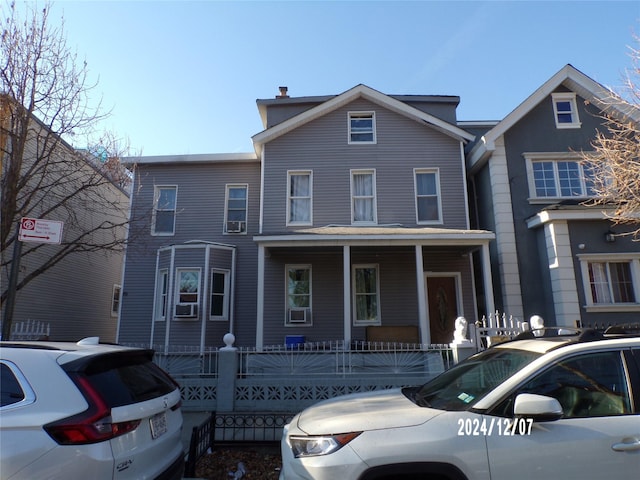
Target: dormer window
(565,110)
(362,127)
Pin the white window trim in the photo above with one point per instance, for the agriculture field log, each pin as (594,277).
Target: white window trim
(157,307)
(566,97)
(378,320)
(226,207)
(357,114)
(226,294)
(156,197)
(291,173)
(435,171)
(375,197)
(309,322)
(532,157)
(591,306)
(118,288)
(177,293)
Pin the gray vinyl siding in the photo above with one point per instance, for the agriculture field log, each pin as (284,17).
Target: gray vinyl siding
(402,145)
(200,217)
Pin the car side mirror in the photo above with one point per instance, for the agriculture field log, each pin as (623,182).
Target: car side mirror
(538,407)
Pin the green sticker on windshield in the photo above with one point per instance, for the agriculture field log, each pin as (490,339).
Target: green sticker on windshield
(465,397)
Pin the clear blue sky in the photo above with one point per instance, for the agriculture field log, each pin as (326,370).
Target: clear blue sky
(182,77)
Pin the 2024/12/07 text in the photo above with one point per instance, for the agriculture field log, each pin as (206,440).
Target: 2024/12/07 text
(494,426)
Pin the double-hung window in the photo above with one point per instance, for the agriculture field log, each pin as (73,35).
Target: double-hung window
(236,209)
(366,295)
(363,197)
(115,300)
(298,295)
(219,301)
(558,175)
(565,110)
(427,188)
(362,127)
(612,282)
(300,199)
(162,289)
(164,210)
(187,292)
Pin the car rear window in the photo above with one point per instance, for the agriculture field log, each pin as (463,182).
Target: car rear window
(10,389)
(125,378)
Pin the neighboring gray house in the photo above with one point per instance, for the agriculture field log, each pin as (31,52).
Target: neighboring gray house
(349,222)
(79,295)
(553,256)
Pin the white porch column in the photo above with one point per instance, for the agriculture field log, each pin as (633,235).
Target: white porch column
(488,279)
(425,334)
(260,301)
(346,292)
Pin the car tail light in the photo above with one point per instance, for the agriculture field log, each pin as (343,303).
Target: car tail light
(91,426)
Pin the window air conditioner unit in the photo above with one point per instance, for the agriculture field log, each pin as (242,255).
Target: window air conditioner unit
(298,315)
(186,310)
(235,227)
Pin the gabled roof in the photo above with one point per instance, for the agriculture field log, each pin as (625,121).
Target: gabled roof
(570,77)
(359,91)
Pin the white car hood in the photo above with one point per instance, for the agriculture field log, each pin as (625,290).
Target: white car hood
(363,411)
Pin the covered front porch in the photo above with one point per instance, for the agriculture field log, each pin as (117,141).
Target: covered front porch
(350,283)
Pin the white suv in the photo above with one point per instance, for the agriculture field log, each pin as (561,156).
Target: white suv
(87,410)
(548,407)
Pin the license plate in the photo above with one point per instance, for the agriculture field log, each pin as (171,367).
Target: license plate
(158,425)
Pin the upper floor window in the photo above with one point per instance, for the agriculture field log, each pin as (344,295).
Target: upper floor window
(612,282)
(236,209)
(219,308)
(427,188)
(299,203)
(298,295)
(565,110)
(363,197)
(164,210)
(366,293)
(558,176)
(362,127)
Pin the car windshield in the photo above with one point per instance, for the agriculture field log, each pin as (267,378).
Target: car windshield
(465,384)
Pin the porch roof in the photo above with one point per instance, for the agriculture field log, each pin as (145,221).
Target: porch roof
(337,235)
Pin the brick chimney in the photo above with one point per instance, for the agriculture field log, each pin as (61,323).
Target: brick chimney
(283,92)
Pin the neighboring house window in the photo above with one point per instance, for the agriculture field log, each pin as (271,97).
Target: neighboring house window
(236,209)
(427,188)
(115,300)
(565,110)
(299,203)
(298,295)
(164,210)
(366,303)
(611,282)
(219,309)
(162,289)
(363,196)
(558,176)
(362,127)
(187,292)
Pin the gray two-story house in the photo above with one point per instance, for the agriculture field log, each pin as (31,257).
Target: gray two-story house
(349,222)
(554,255)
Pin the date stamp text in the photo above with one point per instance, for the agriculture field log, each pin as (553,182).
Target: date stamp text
(474,427)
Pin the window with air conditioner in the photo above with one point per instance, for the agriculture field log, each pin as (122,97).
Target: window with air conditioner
(187,292)
(298,303)
(236,209)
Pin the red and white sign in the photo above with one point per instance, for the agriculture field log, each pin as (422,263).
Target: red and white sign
(40,231)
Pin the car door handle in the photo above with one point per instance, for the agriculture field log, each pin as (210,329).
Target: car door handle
(627,445)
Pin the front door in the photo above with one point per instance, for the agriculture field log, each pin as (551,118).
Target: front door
(442,298)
